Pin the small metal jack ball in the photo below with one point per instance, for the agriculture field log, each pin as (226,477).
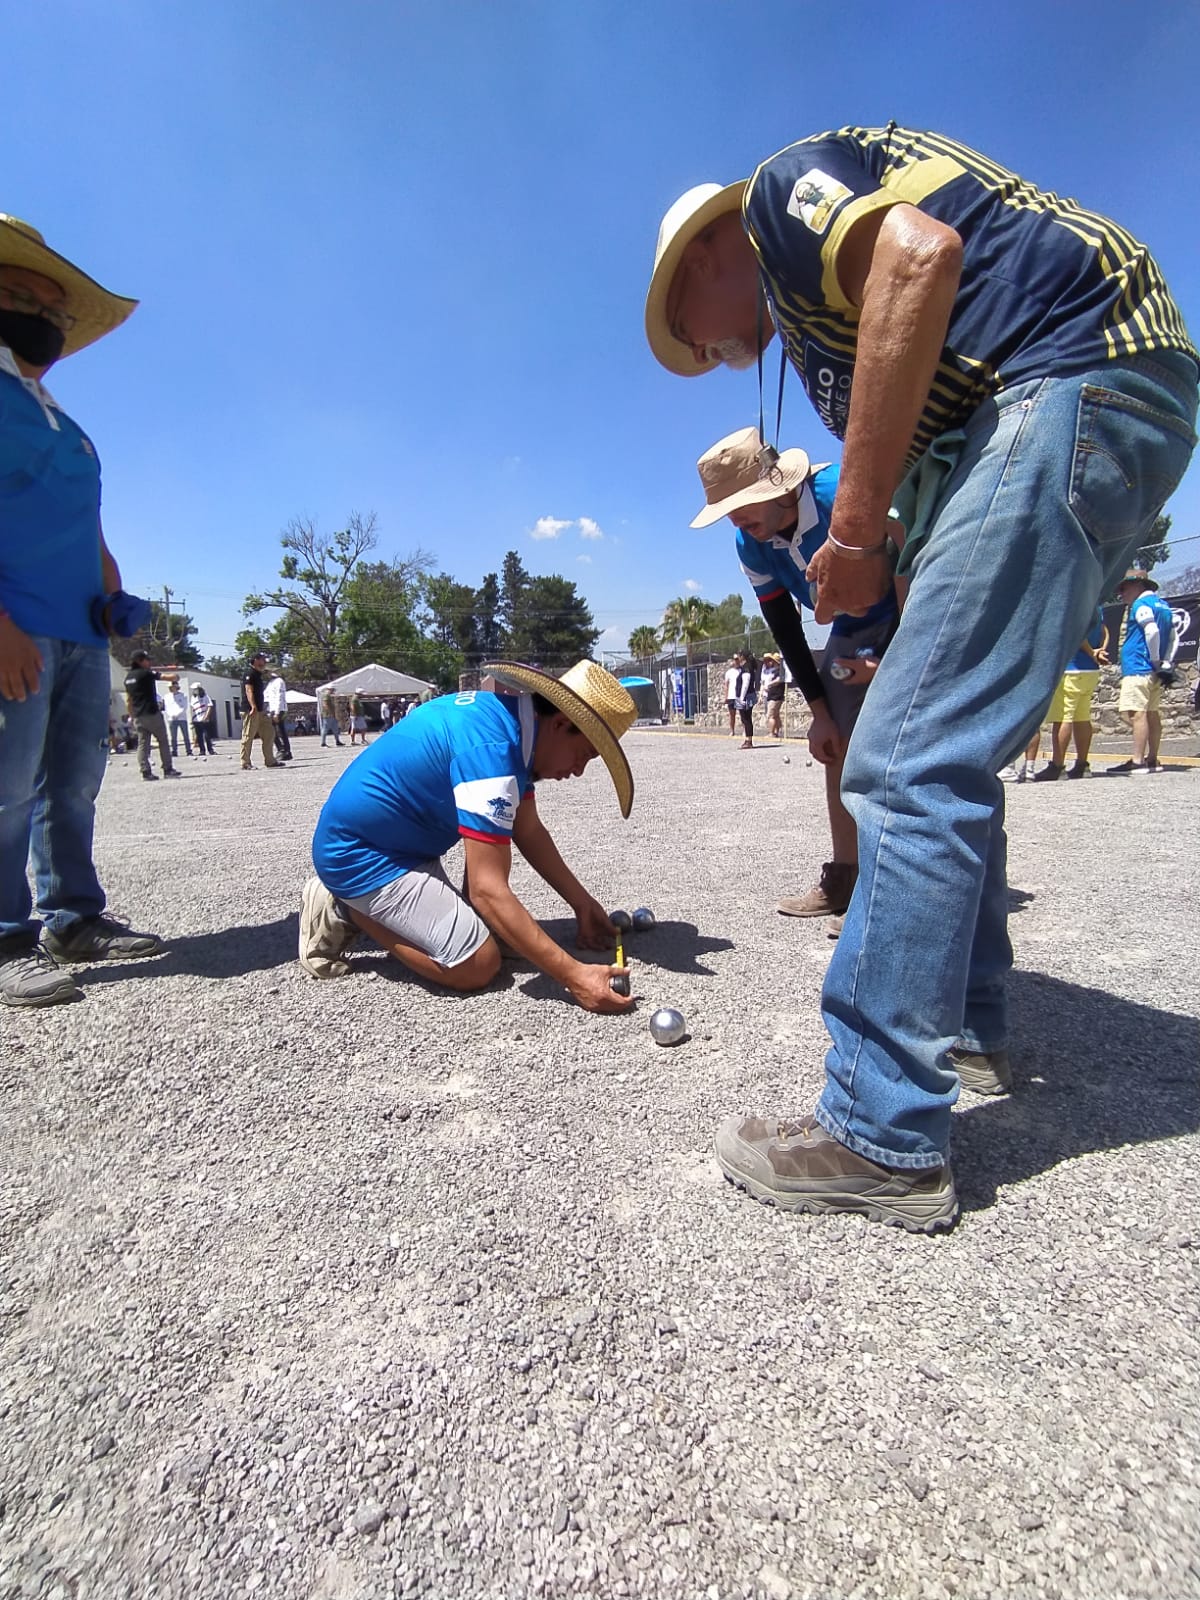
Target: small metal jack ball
(667,1026)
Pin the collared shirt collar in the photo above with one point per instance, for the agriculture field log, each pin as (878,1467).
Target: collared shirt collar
(806,520)
(36,387)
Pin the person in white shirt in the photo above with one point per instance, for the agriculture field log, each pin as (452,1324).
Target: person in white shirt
(732,673)
(204,717)
(175,704)
(276,696)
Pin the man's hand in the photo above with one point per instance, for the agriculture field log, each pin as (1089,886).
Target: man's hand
(1102,658)
(595,931)
(589,985)
(825,743)
(21,663)
(847,585)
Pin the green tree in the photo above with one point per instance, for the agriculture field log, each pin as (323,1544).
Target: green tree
(379,610)
(166,639)
(448,615)
(514,591)
(1157,549)
(554,626)
(686,621)
(224,666)
(489,630)
(316,569)
(643,643)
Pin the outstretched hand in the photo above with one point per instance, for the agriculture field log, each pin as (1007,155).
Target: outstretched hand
(847,585)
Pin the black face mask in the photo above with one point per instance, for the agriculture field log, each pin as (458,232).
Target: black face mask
(31,337)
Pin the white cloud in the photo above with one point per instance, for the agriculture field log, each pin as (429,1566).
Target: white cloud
(692,586)
(549,527)
(588,529)
(587,560)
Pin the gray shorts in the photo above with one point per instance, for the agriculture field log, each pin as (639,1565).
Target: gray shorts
(425,909)
(845,700)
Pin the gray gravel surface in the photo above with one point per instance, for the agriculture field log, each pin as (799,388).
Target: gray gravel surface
(353,1290)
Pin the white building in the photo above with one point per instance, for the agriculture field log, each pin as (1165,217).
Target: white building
(225,694)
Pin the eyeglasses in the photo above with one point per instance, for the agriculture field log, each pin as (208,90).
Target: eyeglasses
(22,300)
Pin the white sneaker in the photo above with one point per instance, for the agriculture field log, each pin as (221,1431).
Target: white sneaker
(325,935)
(1009,774)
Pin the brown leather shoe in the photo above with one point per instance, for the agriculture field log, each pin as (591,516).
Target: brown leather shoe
(830,897)
(982,1071)
(797,1166)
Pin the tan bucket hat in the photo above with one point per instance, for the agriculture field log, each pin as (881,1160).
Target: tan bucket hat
(732,475)
(690,215)
(594,701)
(96,311)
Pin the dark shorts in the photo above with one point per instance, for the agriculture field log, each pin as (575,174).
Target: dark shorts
(845,700)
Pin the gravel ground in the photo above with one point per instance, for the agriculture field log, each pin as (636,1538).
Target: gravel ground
(354,1290)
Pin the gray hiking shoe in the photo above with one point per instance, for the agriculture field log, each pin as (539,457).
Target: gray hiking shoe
(100,939)
(982,1071)
(28,977)
(828,898)
(325,934)
(797,1166)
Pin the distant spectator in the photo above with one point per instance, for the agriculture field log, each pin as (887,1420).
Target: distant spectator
(329,721)
(141,693)
(204,716)
(256,723)
(771,684)
(276,696)
(747,695)
(1147,663)
(177,709)
(731,682)
(385,715)
(358,720)
(1070,713)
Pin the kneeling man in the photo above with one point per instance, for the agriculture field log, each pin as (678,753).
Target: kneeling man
(464,766)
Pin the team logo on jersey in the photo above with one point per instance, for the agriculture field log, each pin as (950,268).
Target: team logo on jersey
(815,198)
(501,808)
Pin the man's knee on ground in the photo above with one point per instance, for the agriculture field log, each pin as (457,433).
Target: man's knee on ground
(478,970)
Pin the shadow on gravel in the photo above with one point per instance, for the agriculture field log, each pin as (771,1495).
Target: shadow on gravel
(1018,899)
(1092,1072)
(669,947)
(227,953)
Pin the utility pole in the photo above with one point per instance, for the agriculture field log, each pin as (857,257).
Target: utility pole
(167,616)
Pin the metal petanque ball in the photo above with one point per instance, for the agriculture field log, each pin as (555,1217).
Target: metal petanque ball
(667,1026)
(621,919)
(787,761)
(643,919)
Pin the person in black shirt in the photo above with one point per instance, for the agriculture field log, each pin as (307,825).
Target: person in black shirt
(256,724)
(141,694)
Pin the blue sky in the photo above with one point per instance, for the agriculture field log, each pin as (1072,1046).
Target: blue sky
(393,257)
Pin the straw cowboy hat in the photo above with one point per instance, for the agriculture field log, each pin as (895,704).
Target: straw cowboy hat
(593,701)
(687,218)
(96,310)
(732,475)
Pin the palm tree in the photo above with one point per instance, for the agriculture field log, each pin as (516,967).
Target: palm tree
(688,619)
(643,642)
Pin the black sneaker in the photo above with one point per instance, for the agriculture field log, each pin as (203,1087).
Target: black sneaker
(172,772)
(100,939)
(149,777)
(1080,770)
(1120,771)
(1050,773)
(28,977)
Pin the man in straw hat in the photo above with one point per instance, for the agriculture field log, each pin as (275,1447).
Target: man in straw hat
(60,594)
(1012,374)
(782,520)
(464,766)
(1147,664)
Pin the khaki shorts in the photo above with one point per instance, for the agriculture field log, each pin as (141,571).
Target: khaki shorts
(1140,694)
(1073,698)
(425,909)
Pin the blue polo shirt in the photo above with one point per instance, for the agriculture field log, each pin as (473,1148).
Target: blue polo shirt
(779,564)
(1135,658)
(1081,661)
(49,513)
(459,765)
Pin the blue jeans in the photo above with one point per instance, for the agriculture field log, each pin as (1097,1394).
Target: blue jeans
(1055,484)
(53,752)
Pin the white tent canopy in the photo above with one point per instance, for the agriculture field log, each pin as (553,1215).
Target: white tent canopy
(376,680)
(297,697)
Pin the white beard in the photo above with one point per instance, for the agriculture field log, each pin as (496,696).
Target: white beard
(733,353)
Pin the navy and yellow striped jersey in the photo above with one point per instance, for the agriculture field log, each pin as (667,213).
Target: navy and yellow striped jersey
(1046,286)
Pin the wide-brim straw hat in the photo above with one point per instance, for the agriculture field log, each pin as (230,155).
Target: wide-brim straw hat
(1138,575)
(594,702)
(733,475)
(690,215)
(96,310)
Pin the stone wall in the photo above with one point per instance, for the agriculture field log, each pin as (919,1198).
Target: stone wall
(1179,714)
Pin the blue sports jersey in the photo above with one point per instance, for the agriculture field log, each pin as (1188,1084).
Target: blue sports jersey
(1081,661)
(780,564)
(457,765)
(49,516)
(1135,657)
(1046,286)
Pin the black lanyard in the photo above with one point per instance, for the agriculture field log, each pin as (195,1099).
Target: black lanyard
(769,454)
